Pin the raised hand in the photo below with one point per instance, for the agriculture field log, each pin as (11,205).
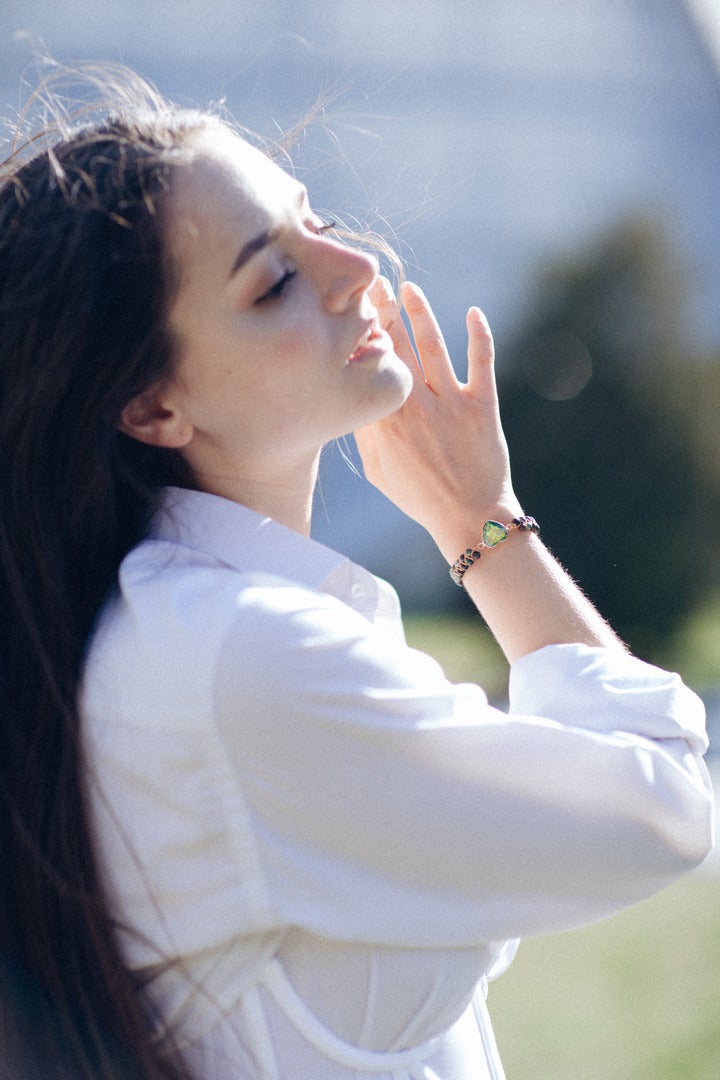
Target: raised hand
(442,457)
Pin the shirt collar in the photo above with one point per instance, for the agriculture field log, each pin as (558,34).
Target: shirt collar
(244,539)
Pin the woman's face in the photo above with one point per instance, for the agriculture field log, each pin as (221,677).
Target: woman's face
(278,345)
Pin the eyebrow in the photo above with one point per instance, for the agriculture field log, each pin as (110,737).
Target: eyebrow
(262,240)
(251,248)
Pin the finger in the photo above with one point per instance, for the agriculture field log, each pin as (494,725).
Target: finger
(434,357)
(481,355)
(383,298)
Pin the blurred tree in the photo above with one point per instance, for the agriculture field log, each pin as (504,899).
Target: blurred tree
(602,454)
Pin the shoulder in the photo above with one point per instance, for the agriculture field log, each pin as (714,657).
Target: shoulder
(154,655)
(187,635)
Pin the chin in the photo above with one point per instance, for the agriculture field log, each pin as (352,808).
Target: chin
(397,377)
(404,384)
(397,373)
(395,393)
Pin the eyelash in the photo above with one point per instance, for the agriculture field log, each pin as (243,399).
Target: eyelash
(281,284)
(278,288)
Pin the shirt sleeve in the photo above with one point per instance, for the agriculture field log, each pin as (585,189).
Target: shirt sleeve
(389,805)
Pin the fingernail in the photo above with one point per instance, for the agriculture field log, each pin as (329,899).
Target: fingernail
(411,287)
(477,315)
(384,289)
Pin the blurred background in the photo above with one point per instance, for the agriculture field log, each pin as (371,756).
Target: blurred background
(557,162)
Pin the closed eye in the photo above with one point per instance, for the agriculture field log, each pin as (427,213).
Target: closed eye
(281,284)
(278,288)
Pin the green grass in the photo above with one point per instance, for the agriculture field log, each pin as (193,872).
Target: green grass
(464,647)
(634,998)
(695,649)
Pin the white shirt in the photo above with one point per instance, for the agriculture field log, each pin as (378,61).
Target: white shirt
(334,845)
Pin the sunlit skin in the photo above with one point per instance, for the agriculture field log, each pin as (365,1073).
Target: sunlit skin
(279,345)
(287,338)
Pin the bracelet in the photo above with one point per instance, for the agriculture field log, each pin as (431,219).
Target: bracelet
(493,534)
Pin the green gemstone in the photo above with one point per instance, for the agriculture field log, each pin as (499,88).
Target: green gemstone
(493,533)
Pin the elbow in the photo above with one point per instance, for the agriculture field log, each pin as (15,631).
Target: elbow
(677,814)
(683,828)
(694,837)
(664,827)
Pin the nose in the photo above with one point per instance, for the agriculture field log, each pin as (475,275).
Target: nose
(349,273)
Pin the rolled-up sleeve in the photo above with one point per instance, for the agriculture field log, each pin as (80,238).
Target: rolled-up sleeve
(389,805)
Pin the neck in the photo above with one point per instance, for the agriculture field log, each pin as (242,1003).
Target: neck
(286,497)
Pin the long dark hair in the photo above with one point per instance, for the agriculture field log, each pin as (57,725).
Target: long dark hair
(84,292)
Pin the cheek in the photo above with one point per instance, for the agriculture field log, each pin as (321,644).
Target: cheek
(302,336)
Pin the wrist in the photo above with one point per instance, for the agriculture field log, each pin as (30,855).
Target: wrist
(457,532)
(495,531)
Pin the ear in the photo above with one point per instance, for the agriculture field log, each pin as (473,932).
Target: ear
(150,418)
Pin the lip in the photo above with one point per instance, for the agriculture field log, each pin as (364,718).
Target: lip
(373,340)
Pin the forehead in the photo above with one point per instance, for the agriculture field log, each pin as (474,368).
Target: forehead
(224,193)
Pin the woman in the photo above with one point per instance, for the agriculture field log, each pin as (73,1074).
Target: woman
(249,833)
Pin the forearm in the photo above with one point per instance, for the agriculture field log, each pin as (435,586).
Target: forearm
(529,601)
